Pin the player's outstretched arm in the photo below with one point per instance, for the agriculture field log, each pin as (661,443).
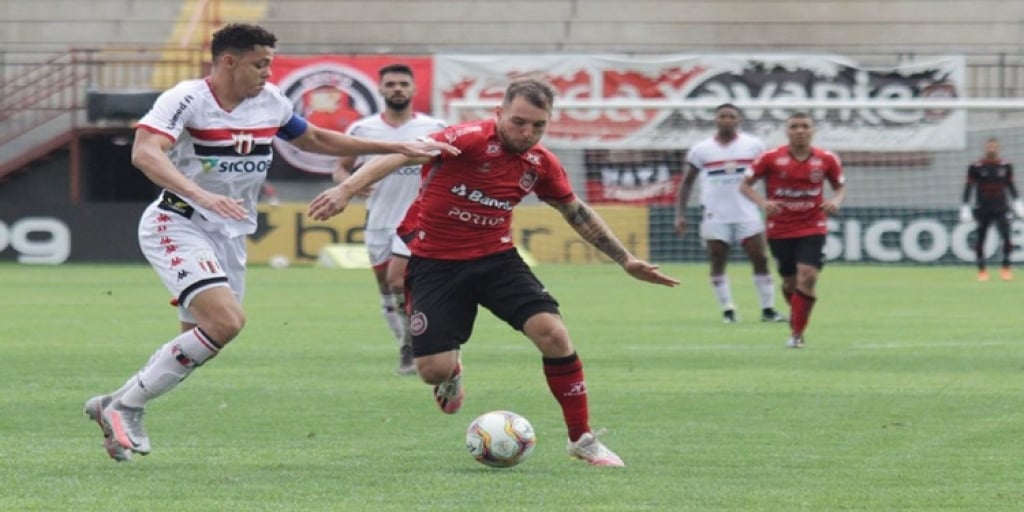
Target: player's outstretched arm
(594,230)
(333,201)
(330,142)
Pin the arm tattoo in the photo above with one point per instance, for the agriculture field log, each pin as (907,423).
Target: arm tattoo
(593,229)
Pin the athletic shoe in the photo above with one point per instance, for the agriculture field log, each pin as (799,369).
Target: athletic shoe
(126,425)
(406,365)
(770,315)
(795,341)
(449,394)
(589,448)
(729,316)
(983,275)
(94,410)
(1006,274)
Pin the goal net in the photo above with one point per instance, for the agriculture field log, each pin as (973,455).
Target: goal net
(905,163)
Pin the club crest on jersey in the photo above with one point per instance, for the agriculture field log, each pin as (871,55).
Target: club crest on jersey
(493,148)
(528,179)
(244,142)
(816,175)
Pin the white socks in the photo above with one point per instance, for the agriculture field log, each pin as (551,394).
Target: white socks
(393,315)
(763,283)
(168,366)
(765,290)
(720,285)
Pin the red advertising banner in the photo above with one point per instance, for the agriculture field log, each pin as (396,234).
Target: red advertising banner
(332,91)
(478,81)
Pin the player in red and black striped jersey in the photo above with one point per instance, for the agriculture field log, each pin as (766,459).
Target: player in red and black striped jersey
(463,254)
(991,178)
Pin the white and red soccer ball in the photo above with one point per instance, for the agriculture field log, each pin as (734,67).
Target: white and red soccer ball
(500,439)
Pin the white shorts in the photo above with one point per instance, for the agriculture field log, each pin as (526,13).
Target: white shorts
(730,232)
(381,244)
(190,255)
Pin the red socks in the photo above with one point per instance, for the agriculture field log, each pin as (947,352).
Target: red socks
(801,305)
(565,380)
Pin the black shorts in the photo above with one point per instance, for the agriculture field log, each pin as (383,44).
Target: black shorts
(809,250)
(444,295)
(987,217)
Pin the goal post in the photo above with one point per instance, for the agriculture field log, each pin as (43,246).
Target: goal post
(905,161)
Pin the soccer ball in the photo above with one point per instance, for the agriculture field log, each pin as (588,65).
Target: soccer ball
(500,439)
(278,261)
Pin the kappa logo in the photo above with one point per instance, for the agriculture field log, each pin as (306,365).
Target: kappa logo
(493,148)
(533,158)
(331,96)
(244,142)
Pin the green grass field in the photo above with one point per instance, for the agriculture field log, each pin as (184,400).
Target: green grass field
(908,397)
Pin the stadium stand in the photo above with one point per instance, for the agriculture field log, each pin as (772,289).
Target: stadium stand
(54,53)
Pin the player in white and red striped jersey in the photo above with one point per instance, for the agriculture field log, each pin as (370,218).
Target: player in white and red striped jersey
(727,217)
(463,254)
(388,200)
(207,144)
(796,211)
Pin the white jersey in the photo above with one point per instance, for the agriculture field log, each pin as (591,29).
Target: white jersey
(721,172)
(227,153)
(392,195)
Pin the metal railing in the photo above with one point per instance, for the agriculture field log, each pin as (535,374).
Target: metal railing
(37,88)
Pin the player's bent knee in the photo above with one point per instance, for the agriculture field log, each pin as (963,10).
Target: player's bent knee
(436,368)
(549,333)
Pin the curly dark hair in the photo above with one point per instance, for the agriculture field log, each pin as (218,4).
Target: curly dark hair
(240,37)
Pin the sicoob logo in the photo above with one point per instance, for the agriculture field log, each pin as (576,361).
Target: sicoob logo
(330,96)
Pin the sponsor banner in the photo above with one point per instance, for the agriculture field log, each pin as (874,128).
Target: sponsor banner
(286,230)
(108,233)
(542,231)
(719,79)
(41,234)
(333,91)
(633,176)
(861,235)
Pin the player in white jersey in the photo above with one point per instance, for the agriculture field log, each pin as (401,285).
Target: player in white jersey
(727,217)
(207,143)
(388,200)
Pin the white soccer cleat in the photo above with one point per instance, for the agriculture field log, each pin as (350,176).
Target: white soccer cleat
(589,448)
(795,341)
(125,424)
(94,410)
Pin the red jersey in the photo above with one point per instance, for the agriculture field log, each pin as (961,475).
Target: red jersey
(464,210)
(798,186)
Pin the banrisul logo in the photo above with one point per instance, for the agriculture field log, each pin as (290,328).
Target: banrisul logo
(330,96)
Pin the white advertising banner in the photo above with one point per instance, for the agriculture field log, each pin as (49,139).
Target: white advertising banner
(708,80)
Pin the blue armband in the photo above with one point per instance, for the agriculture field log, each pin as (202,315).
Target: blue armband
(294,128)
